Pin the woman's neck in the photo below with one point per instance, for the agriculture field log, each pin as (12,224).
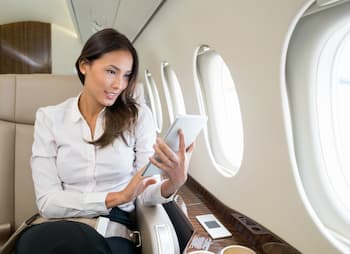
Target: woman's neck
(90,109)
(88,106)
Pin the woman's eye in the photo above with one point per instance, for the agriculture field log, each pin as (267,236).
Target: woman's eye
(110,72)
(127,76)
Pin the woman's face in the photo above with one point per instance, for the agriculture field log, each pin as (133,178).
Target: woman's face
(107,76)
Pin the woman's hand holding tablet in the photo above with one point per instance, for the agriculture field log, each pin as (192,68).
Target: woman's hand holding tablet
(191,125)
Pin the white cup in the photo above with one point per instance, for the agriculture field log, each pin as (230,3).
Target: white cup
(201,252)
(237,249)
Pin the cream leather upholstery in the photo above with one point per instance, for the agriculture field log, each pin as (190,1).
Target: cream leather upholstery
(20,97)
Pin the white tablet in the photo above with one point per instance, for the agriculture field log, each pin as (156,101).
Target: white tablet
(191,126)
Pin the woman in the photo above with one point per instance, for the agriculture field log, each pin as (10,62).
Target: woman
(89,153)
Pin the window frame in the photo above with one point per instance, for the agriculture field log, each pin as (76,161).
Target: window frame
(172,90)
(304,65)
(154,98)
(227,170)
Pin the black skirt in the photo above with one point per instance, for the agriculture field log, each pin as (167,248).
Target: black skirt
(65,237)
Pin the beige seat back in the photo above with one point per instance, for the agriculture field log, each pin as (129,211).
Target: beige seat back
(20,97)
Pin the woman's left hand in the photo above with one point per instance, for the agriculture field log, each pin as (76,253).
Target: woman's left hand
(174,164)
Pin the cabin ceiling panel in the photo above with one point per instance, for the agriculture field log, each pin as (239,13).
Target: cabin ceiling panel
(133,15)
(91,16)
(52,11)
(83,17)
(127,16)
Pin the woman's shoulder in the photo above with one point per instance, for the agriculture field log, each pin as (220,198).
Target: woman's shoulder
(144,111)
(145,118)
(53,111)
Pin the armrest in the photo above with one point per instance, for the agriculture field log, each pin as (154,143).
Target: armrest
(157,232)
(5,233)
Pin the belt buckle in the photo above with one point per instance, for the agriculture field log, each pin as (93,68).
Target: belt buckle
(135,237)
(101,225)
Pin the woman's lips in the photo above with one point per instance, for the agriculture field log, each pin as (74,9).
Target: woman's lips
(111,95)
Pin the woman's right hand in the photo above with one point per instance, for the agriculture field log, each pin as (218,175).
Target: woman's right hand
(136,186)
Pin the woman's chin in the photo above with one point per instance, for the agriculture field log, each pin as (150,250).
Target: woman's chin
(108,103)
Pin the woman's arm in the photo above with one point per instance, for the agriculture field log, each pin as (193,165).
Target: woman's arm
(145,137)
(175,165)
(176,173)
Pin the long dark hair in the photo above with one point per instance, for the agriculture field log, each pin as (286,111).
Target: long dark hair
(122,115)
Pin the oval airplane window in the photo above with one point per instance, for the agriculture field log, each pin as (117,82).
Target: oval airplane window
(318,87)
(173,92)
(154,100)
(218,99)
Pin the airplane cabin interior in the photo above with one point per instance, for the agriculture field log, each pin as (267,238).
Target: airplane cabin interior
(270,171)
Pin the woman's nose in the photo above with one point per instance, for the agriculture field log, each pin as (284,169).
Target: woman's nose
(117,83)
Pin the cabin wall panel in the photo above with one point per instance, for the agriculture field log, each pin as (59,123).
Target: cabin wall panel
(250,36)
(66,47)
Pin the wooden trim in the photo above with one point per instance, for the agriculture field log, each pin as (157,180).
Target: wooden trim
(25,47)
(245,230)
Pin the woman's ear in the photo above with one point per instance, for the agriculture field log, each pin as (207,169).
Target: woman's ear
(83,65)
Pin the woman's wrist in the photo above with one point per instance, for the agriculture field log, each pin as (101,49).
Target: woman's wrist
(114,199)
(167,189)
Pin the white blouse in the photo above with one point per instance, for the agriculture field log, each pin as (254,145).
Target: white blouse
(72,177)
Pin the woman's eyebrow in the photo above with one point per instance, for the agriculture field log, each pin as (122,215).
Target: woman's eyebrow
(117,68)
(113,66)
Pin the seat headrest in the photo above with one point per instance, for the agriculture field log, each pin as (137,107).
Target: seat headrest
(22,95)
